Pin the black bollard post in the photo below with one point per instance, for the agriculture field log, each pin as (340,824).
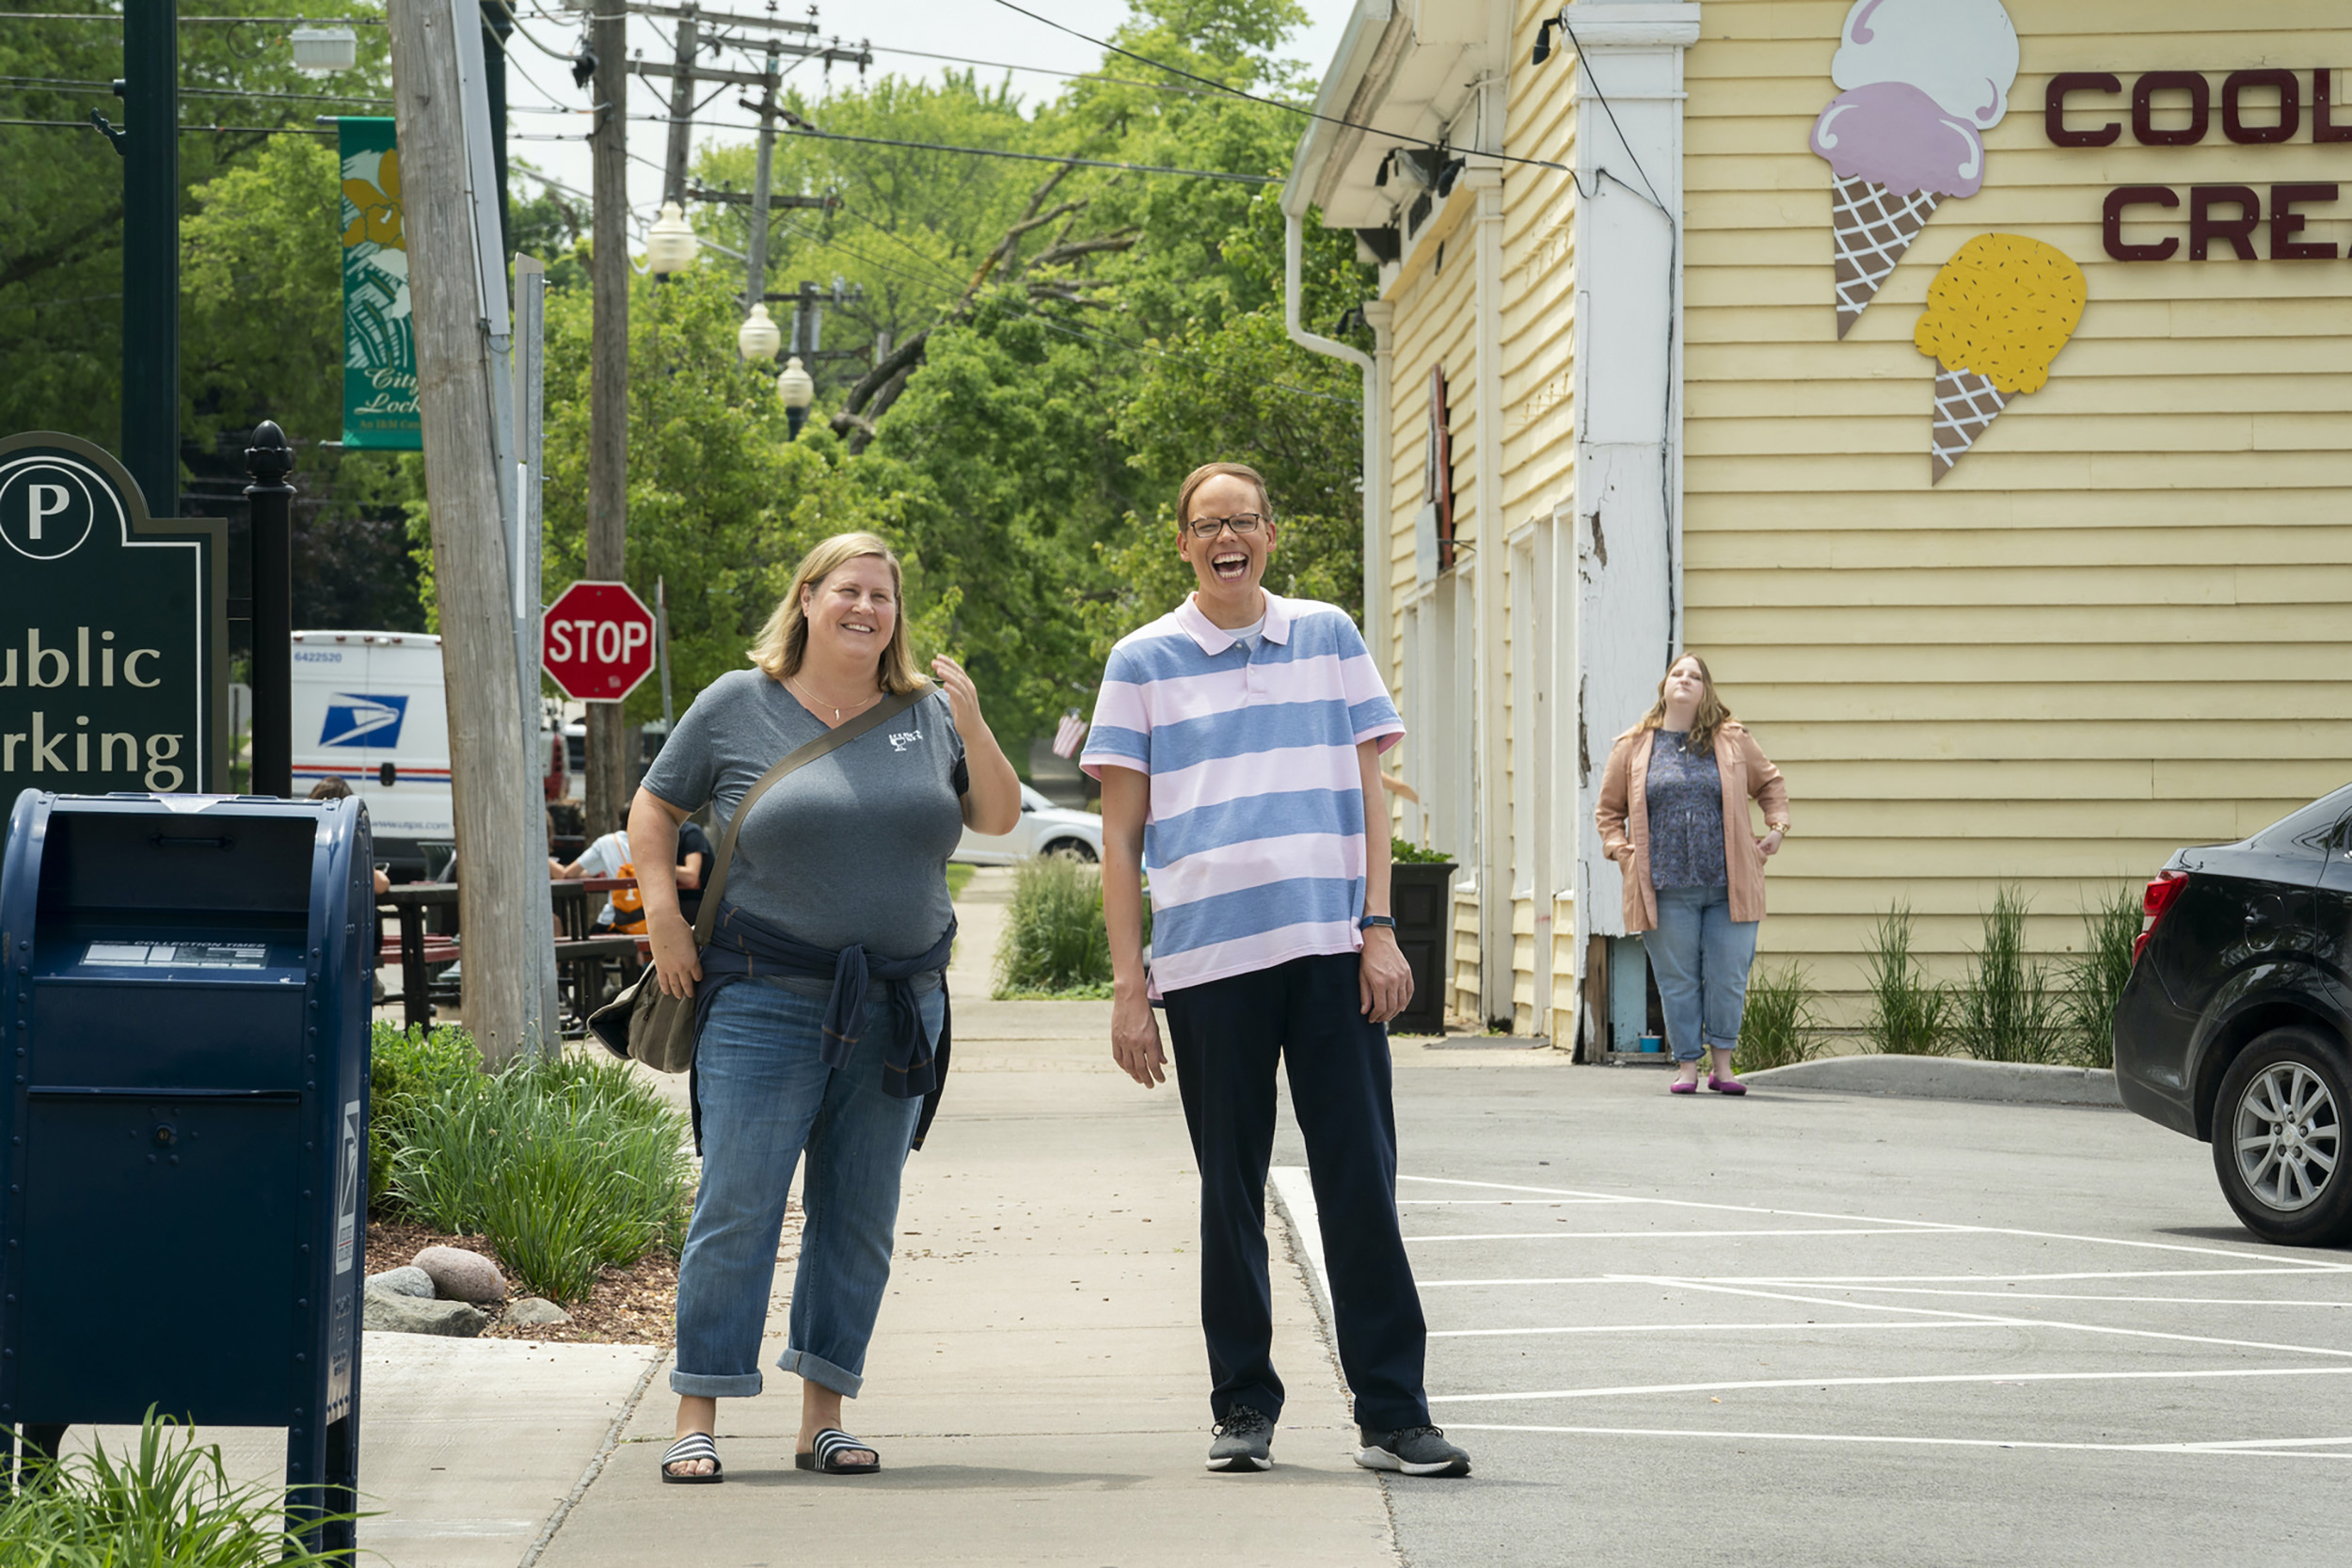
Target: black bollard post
(269,460)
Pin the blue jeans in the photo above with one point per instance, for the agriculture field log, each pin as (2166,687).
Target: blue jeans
(1701,956)
(767,1096)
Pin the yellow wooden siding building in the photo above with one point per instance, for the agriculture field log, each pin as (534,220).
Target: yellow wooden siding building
(2118,625)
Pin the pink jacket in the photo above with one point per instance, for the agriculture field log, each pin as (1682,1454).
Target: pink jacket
(1623,817)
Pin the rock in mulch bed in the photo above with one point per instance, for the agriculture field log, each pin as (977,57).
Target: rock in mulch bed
(460,1274)
(636,1305)
(407,1280)
(390,1312)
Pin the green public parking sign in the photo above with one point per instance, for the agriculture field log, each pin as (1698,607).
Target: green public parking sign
(114,630)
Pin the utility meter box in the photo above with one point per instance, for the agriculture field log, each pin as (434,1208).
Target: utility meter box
(187,1004)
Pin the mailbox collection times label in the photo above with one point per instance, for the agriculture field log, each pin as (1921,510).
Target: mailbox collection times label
(107,632)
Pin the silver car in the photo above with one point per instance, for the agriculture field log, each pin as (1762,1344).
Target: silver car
(1044,828)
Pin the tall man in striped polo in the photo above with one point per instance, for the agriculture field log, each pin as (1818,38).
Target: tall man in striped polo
(1238,740)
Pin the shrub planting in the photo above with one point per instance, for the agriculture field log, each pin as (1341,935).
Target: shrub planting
(1780,1025)
(1054,942)
(1908,1012)
(172,1507)
(2094,981)
(569,1166)
(2007,1011)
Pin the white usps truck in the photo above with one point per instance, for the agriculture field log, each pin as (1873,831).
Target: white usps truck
(369,709)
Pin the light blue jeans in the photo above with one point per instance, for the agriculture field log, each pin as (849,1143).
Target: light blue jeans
(767,1096)
(1701,956)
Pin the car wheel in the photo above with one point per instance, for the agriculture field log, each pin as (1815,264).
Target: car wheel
(1075,848)
(2279,1138)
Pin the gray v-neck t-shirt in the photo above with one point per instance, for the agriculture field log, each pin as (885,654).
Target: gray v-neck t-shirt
(850,848)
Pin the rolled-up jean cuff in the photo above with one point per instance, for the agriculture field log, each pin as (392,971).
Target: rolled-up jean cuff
(715,1386)
(820,1371)
(1714,1044)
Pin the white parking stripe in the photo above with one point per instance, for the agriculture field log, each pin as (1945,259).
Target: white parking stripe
(2284,1448)
(2306,1265)
(2068,1295)
(1634,1388)
(1660,1235)
(1671,1282)
(1691,1329)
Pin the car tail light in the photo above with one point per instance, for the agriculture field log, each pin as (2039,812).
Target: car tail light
(2167,887)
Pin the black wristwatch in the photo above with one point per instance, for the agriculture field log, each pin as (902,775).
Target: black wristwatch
(1371,920)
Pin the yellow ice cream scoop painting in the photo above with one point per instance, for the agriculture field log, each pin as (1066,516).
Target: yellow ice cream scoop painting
(1998,314)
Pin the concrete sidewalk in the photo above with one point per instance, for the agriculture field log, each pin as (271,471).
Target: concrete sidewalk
(1036,1384)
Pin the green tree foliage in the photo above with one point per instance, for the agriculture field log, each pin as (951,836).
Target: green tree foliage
(262,338)
(61,187)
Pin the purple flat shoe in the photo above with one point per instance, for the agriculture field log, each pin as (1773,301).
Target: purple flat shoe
(1725,1086)
(1678,1086)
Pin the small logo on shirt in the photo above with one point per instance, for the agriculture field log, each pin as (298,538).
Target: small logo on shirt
(904,738)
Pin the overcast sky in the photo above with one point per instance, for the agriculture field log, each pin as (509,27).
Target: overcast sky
(974,29)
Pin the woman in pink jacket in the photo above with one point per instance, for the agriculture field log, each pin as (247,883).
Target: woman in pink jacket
(1674,816)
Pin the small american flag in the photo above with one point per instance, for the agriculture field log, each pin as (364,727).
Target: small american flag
(1072,732)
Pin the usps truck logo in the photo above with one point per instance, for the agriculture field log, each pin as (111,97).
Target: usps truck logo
(48,506)
(354,720)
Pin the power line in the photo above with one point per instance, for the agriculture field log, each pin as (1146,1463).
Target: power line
(192,20)
(1272,103)
(804,129)
(1039,69)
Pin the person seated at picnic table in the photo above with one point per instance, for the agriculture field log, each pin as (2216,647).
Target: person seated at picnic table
(608,856)
(338,789)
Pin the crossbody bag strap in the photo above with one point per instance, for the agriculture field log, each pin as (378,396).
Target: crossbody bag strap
(831,741)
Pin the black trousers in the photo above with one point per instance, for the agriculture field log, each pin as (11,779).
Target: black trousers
(1228,1035)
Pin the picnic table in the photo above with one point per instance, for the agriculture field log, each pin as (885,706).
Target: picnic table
(573,902)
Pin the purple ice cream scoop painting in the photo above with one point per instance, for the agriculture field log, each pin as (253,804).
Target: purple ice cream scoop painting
(1923,80)
(1894,133)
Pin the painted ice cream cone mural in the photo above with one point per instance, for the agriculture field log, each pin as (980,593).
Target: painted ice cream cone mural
(1998,314)
(1922,80)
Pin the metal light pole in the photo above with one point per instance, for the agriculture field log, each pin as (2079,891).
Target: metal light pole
(149,146)
(269,460)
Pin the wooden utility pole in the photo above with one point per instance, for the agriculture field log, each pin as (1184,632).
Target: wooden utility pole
(608,392)
(755,288)
(502,868)
(681,109)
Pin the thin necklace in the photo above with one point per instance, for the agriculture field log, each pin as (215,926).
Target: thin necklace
(803,693)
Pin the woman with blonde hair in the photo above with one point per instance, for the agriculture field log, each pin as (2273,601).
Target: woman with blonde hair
(1674,816)
(822,993)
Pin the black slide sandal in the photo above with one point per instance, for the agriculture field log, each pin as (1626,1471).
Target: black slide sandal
(832,1444)
(693,1445)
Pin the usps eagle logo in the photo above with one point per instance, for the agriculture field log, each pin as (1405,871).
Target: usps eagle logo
(358,720)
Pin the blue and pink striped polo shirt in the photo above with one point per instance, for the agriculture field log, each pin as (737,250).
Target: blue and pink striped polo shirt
(1255,838)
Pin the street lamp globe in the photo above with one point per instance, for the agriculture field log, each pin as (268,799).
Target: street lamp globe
(797,390)
(669,243)
(757,338)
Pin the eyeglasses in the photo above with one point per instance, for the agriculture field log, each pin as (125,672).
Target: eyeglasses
(1209,528)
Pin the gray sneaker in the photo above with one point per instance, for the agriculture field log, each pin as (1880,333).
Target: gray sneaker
(1411,1452)
(1243,1441)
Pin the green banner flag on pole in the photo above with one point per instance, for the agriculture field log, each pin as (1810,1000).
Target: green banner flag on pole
(380,343)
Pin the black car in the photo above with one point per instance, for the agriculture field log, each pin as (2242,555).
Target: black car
(2234,1023)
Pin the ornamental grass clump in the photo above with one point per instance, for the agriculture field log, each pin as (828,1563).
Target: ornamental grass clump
(172,1507)
(1780,1026)
(1054,942)
(1908,1012)
(2095,980)
(2007,1011)
(408,1070)
(569,1166)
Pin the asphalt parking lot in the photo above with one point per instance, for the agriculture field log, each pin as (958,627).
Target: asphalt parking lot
(1817,1328)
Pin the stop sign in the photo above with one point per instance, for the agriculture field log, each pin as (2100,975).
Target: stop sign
(596,642)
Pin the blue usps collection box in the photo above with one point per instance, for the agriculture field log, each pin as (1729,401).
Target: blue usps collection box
(183,1142)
